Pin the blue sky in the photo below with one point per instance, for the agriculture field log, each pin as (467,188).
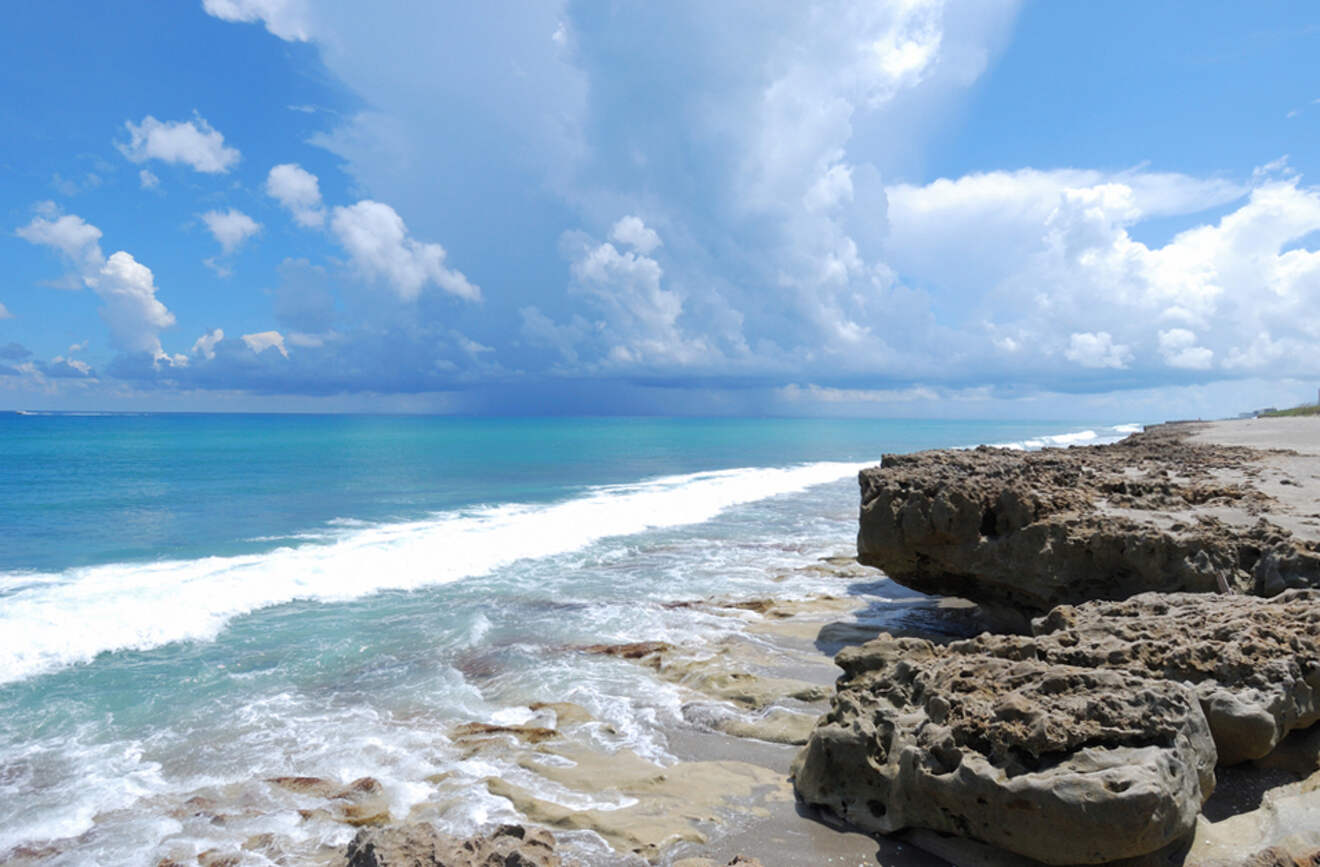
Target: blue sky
(922,207)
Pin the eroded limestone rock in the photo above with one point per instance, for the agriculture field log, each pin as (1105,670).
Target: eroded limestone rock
(1048,761)
(1029,531)
(1042,745)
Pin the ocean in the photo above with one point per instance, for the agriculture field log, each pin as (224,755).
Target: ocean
(191,605)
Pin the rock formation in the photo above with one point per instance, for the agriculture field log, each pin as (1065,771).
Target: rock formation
(1095,739)
(421,845)
(1028,531)
(1009,752)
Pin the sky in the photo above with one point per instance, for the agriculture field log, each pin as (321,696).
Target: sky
(926,208)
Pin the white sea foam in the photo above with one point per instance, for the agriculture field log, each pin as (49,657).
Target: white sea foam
(50,620)
(1075,438)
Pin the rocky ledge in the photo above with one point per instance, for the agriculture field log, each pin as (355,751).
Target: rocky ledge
(1111,717)
(1025,531)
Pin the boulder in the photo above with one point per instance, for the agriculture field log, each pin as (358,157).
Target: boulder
(1059,763)
(1043,745)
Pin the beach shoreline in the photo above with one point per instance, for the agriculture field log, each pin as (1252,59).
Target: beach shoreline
(744,673)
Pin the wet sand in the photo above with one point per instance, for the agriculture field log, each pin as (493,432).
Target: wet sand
(789,645)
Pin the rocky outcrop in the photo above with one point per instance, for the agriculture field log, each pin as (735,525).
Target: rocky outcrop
(1112,716)
(1028,531)
(421,845)
(1009,752)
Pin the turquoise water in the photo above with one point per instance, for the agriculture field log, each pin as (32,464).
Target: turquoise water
(193,602)
(82,490)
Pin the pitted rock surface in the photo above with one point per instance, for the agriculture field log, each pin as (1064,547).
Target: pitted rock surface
(1031,530)
(1045,741)
(1062,764)
(1254,663)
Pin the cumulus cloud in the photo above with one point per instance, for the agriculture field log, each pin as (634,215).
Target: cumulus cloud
(230,228)
(640,322)
(763,169)
(642,315)
(1023,257)
(767,158)
(298,191)
(1096,350)
(129,304)
(66,367)
(287,19)
(378,243)
(147,179)
(263,340)
(634,233)
(205,345)
(1178,346)
(126,287)
(190,142)
(71,235)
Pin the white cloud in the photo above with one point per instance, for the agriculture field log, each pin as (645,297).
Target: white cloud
(468,345)
(126,288)
(129,304)
(1178,346)
(377,241)
(641,324)
(205,345)
(71,235)
(785,252)
(298,191)
(287,19)
(230,228)
(759,174)
(4,312)
(1096,350)
(832,189)
(1041,256)
(263,340)
(62,365)
(998,220)
(148,180)
(191,142)
(633,232)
